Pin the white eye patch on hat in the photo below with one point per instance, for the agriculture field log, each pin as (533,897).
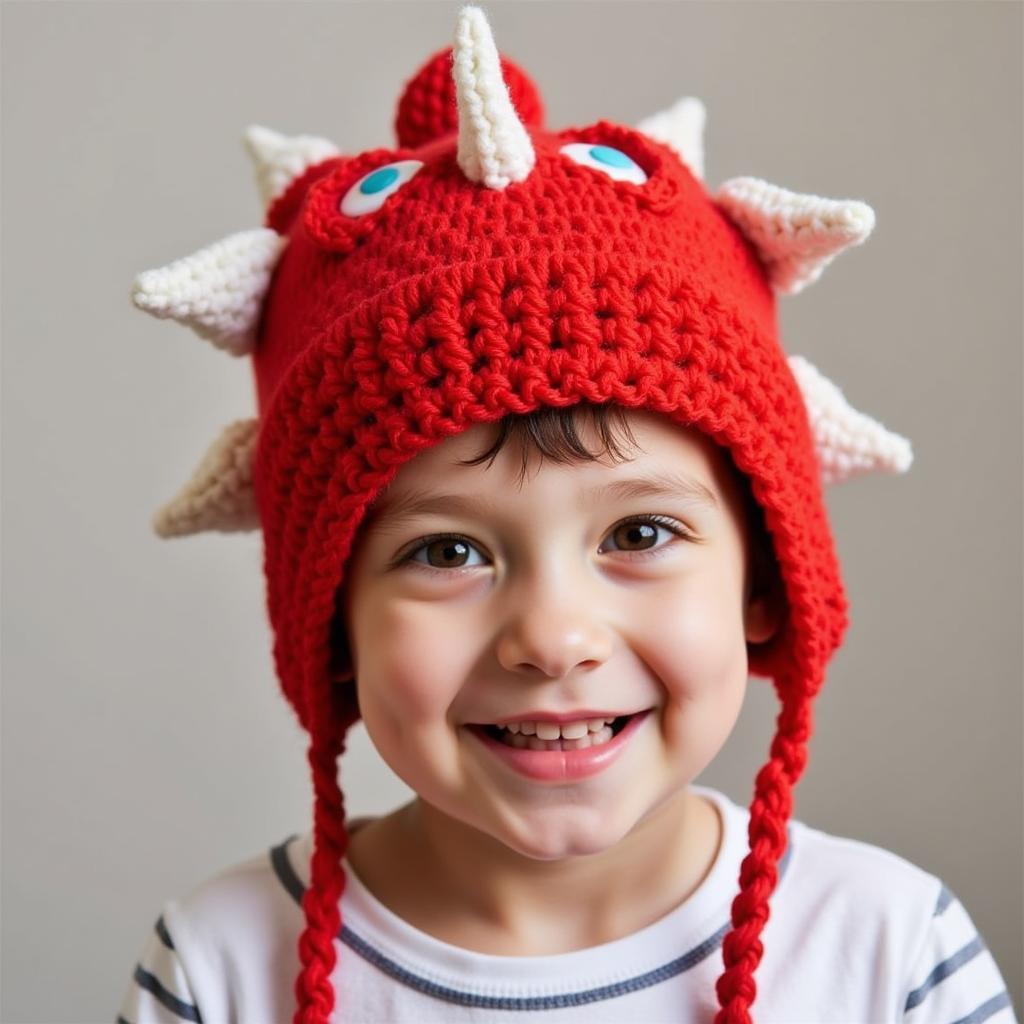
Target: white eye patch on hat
(370,192)
(613,162)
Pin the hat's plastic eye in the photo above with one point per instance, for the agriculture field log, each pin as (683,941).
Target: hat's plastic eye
(612,161)
(370,191)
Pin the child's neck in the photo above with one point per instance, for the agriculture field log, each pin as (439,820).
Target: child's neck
(465,888)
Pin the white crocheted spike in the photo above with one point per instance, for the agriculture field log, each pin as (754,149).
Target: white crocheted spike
(849,443)
(682,128)
(279,159)
(218,291)
(220,494)
(494,147)
(797,236)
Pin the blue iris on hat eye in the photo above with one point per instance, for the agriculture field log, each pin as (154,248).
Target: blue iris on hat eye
(616,164)
(370,191)
(378,180)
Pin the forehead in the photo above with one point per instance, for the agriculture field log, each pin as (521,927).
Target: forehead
(667,460)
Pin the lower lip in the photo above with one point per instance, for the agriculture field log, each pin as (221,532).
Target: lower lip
(563,765)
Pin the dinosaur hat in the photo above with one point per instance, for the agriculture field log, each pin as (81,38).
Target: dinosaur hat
(488,265)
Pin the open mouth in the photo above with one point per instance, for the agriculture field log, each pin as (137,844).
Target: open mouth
(562,760)
(496,732)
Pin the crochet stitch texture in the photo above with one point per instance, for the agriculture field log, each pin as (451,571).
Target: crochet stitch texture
(513,267)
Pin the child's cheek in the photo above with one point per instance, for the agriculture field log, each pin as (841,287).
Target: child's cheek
(407,678)
(411,665)
(691,634)
(693,642)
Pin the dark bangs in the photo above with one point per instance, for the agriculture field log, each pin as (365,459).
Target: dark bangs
(552,432)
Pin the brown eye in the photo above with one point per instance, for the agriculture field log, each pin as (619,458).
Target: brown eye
(449,553)
(642,534)
(444,553)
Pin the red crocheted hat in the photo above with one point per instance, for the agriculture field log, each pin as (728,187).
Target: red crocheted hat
(484,266)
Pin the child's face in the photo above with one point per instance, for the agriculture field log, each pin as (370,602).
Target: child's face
(553,599)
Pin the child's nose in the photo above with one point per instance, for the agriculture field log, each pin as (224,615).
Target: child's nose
(554,632)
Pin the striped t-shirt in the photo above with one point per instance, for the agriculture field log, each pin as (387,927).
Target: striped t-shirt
(855,934)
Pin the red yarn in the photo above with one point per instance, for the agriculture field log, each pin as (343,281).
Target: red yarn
(428,109)
(455,304)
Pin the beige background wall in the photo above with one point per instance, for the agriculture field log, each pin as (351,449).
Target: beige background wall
(144,742)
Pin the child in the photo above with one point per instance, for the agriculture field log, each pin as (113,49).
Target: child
(529,454)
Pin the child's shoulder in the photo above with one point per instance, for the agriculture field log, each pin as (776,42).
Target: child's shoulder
(820,866)
(249,900)
(861,876)
(845,891)
(859,896)
(233,933)
(260,890)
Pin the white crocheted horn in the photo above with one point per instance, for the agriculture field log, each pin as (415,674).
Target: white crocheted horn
(494,147)
(681,126)
(849,443)
(797,236)
(217,291)
(279,159)
(220,495)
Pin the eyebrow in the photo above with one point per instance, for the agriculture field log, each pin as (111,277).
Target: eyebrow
(665,484)
(656,485)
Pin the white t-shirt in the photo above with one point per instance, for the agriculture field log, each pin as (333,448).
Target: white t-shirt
(856,934)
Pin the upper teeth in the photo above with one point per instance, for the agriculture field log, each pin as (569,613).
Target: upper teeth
(554,731)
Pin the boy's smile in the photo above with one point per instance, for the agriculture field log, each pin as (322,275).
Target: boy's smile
(561,759)
(475,598)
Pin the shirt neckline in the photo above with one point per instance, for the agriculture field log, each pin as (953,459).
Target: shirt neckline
(695,927)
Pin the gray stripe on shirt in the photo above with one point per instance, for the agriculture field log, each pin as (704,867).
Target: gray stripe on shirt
(293,884)
(152,984)
(943,970)
(944,900)
(165,935)
(987,1009)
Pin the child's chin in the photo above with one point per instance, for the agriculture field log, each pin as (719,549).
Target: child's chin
(550,834)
